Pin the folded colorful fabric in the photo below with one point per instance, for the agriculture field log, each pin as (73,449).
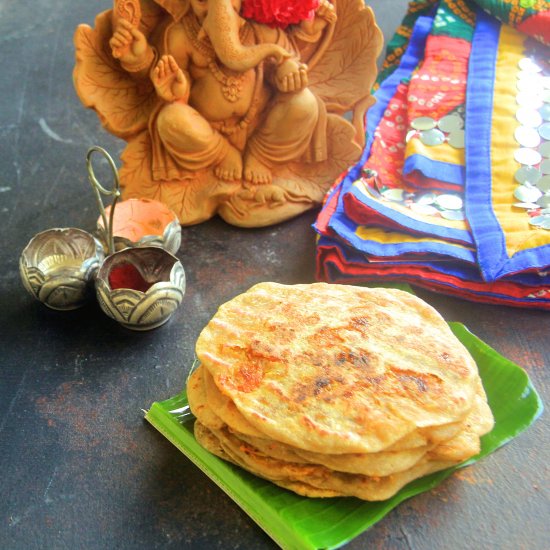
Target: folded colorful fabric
(345,265)
(453,189)
(386,240)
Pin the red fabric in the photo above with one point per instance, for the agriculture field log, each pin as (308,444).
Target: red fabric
(388,147)
(436,88)
(279,13)
(439,85)
(538,26)
(323,219)
(419,181)
(499,292)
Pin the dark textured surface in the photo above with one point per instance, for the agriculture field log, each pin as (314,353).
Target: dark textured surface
(79,467)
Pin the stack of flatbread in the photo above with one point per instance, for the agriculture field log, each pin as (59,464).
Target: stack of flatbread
(333,390)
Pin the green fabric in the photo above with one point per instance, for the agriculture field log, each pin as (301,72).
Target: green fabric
(510,10)
(400,40)
(456,18)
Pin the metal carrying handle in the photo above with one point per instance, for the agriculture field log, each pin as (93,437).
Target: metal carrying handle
(99,190)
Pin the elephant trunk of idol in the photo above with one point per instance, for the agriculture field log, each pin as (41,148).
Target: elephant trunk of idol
(222,25)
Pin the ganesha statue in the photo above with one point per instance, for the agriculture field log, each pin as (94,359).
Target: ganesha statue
(246,109)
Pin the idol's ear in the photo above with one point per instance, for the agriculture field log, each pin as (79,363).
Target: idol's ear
(176,8)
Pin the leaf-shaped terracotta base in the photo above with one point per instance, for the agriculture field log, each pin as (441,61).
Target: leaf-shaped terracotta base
(296,187)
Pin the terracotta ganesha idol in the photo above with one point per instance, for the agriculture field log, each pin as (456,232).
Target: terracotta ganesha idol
(246,109)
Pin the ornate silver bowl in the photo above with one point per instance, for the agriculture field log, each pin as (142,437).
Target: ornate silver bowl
(140,287)
(58,265)
(142,222)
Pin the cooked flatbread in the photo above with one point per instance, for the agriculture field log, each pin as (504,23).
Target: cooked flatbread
(225,408)
(337,369)
(220,411)
(461,446)
(212,444)
(373,464)
(196,396)
(282,463)
(306,490)
(467,443)
(209,441)
(382,463)
(319,481)
(377,488)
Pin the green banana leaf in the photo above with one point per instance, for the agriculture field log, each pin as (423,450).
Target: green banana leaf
(299,523)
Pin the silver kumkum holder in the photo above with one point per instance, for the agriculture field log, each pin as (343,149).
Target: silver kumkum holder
(138,282)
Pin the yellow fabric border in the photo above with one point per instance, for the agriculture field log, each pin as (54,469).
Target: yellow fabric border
(383,236)
(518,234)
(438,153)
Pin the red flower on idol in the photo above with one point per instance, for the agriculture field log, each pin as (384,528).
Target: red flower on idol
(279,13)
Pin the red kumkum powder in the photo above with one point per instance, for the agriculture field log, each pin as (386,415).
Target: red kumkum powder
(127,276)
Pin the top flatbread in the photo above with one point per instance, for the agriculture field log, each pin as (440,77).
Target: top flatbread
(337,369)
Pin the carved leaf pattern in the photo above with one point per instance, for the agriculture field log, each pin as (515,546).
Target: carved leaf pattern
(313,180)
(135,172)
(194,200)
(122,103)
(346,72)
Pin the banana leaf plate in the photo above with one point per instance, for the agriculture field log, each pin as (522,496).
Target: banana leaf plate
(299,523)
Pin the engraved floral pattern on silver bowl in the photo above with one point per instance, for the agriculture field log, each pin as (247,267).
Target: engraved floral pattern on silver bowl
(143,222)
(58,265)
(136,308)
